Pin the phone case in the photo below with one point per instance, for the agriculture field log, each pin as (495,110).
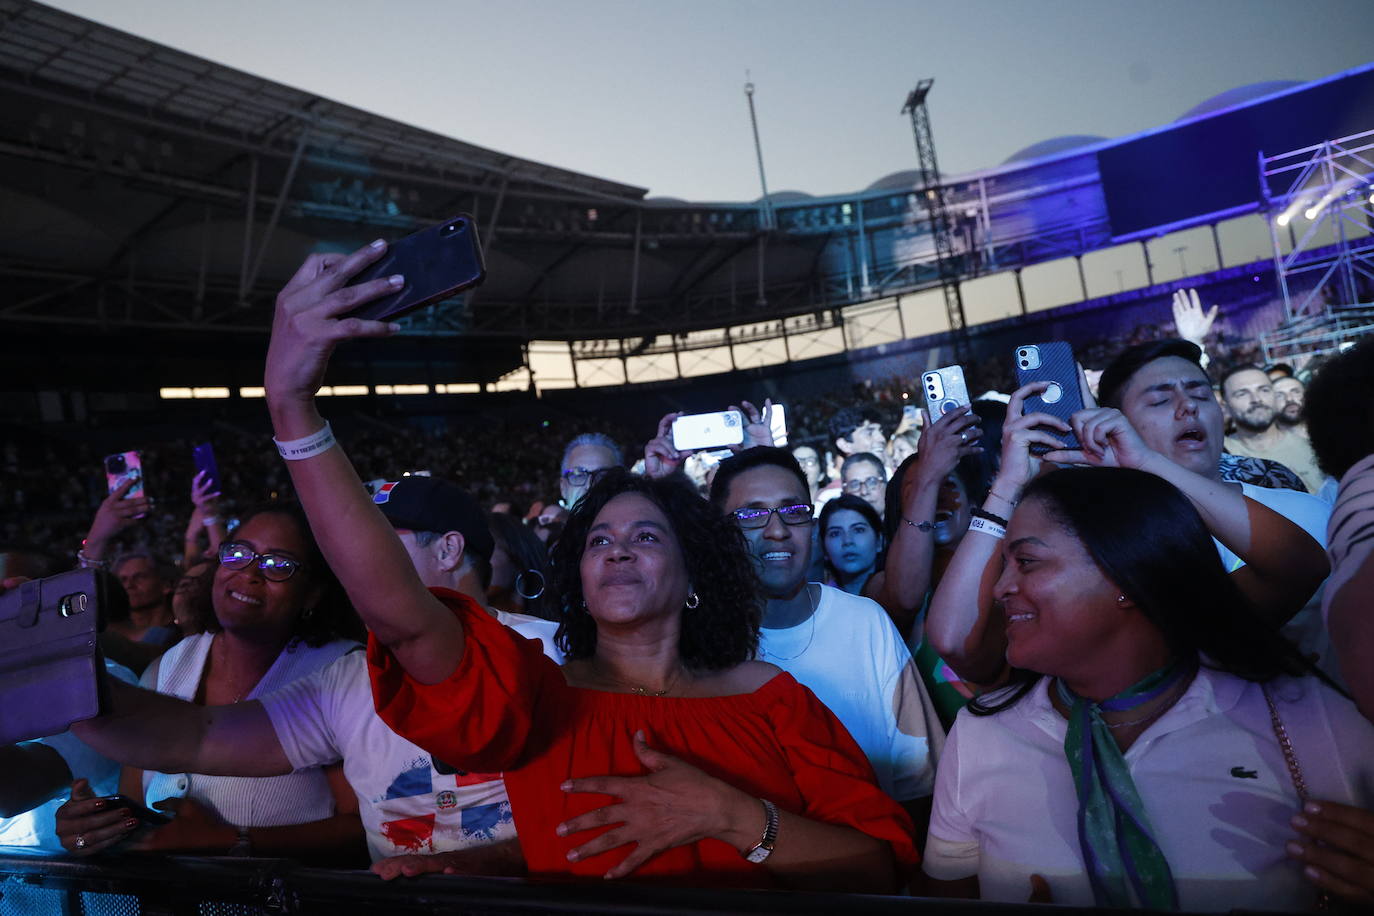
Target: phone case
(437,262)
(708,430)
(204,457)
(953,392)
(51,671)
(133,467)
(1057,365)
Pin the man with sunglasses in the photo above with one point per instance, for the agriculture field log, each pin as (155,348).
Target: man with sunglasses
(843,647)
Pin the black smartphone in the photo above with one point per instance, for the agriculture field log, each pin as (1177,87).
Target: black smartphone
(437,262)
(204,457)
(1053,363)
(146,815)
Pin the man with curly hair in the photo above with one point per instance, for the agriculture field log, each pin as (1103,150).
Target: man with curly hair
(843,647)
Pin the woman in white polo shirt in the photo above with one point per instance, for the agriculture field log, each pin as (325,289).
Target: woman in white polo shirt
(1137,758)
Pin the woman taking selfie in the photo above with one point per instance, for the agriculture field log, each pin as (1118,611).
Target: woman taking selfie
(716,769)
(1141,754)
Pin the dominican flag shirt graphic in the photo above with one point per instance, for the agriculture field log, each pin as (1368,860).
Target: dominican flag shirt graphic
(431,807)
(408,802)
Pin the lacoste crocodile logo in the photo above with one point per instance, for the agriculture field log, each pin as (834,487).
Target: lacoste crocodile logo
(1243,773)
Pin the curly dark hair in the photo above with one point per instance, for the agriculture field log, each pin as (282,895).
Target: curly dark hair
(720,632)
(334,616)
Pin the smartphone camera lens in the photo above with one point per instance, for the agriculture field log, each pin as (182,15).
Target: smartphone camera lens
(1025,364)
(115,464)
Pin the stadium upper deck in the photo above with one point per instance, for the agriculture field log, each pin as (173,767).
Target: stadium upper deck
(147,189)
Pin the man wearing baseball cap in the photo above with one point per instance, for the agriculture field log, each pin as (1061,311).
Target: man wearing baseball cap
(446,534)
(419,814)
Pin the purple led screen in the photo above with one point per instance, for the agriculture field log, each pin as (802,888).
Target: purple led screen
(1187,173)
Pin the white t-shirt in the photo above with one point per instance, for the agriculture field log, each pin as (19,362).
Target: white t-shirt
(409,803)
(852,658)
(36,828)
(1209,771)
(245,801)
(1306,629)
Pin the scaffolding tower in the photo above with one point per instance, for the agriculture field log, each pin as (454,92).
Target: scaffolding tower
(1320,206)
(942,232)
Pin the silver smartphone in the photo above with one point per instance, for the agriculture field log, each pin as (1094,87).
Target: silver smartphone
(944,390)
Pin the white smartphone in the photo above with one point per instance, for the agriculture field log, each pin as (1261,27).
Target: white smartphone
(708,430)
(944,390)
(777,424)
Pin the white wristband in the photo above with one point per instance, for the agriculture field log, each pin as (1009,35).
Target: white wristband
(987,527)
(308,447)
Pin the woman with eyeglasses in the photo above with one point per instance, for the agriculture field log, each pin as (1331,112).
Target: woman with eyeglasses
(278,616)
(863,475)
(660,748)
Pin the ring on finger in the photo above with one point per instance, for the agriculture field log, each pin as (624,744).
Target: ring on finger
(81,841)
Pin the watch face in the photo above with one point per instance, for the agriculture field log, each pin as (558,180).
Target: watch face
(758,854)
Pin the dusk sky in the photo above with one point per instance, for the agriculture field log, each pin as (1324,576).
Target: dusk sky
(650,93)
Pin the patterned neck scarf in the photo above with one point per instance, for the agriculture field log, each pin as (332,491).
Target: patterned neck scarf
(1114,833)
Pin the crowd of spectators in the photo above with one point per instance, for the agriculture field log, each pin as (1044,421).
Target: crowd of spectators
(826,663)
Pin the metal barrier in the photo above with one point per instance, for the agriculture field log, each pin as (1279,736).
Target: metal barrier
(171,886)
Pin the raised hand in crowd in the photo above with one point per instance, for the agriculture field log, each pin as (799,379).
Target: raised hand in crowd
(205,518)
(660,458)
(1283,565)
(758,428)
(116,513)
(962,623)
(902,585)
(1192,323)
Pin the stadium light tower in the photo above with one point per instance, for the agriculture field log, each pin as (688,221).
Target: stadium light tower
(765,211)
(940,228)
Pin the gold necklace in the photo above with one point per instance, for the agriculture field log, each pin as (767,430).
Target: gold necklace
(644,691)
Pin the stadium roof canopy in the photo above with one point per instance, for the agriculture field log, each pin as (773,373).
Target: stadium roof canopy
(147,190)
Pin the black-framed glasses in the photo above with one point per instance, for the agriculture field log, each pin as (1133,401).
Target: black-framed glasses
(757,516)
(579,476)
(857,486)
(273,566)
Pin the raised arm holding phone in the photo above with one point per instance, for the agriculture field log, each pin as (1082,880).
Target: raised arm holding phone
(1165,422)
(830,825)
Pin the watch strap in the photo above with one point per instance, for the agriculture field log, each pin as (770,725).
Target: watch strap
(764,847)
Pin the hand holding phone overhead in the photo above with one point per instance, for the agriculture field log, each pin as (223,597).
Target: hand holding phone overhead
(436,262)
